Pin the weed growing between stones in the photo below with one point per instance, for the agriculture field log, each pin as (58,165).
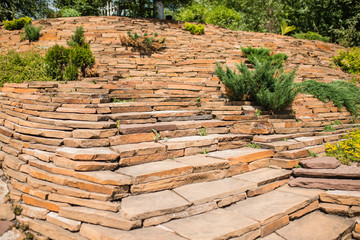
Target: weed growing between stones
(337,122)
(346,151)
(157,136)
(311,36)
(253,145)
(203,131)
(17,210)
(329,128)
(257,113)
(312,154)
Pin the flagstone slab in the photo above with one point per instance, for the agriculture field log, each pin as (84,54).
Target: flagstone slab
(326,183)
(87,154)
(217,224)
(339,172)
(341,197)
(245,154)
(200,193)
(155,171)
(270,206)
(96,232)
(316,225)
(321,163)
(152,204)
(201,163)
(264,175)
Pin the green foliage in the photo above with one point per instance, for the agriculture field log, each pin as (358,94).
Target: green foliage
(340,92)
(203,131)
(66,63)
(57,58)
(17,210)
(23,66)
(193,13)
(267,84)
(350,36)
(311,36)
(312,154)
(32,33)
(257,112)
(29,236)
(298,166)
(17,24)
(329,128)
(11,9)
(255,55)
(146,43)
(195,29)
(253,145)
(83,7)
(337,122)
(285,28)
(69,12)
(347,150)
(348,60)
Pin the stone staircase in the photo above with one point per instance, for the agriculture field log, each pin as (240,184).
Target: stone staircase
(151,149)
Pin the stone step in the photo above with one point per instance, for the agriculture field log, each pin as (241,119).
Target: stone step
(251,218)
(142,150)
(159,115)
(316,225)
(301,152)
(242,155)
(326,183)
(158,207)
(339,172)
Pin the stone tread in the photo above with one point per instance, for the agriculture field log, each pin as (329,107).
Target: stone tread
(263,176)
(244,154)
(342,171)
(309,227)
(326,183)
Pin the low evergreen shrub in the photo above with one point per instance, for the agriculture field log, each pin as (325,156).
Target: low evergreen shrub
(67,63)
(17,24)
(32,33)
(343,94)
(268,85)
(311,36)
(18,67)
(146,43)
(69,12)
(255,55)
(195,29)
(348,60)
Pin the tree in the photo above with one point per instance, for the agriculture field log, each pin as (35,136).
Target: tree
(10,9)
(85,7)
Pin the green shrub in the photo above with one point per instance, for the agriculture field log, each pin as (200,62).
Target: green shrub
(225,17)
(82,58)
(69,12)
(23,66)
(146,43)
(285,28)
(66,63)
(17,24)
(349,37)
(193,13)
(267,84)
(348,60)
(56,60)
(195,29)
(340,92)
(32,33)
(311,36)
(255,55)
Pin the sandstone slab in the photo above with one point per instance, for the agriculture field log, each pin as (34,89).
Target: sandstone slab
(244,155)
(95,232)
(65,223)
(6,212)
(152,204)
(201,163)
(321,162)
(321,183)
(200,193)
(308,227)
(271,206)
(104,218)
(89,154)
(4,227)
(217,224)
(153,171)
(351,198)
(335,209)
(339,172)
(264,175)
